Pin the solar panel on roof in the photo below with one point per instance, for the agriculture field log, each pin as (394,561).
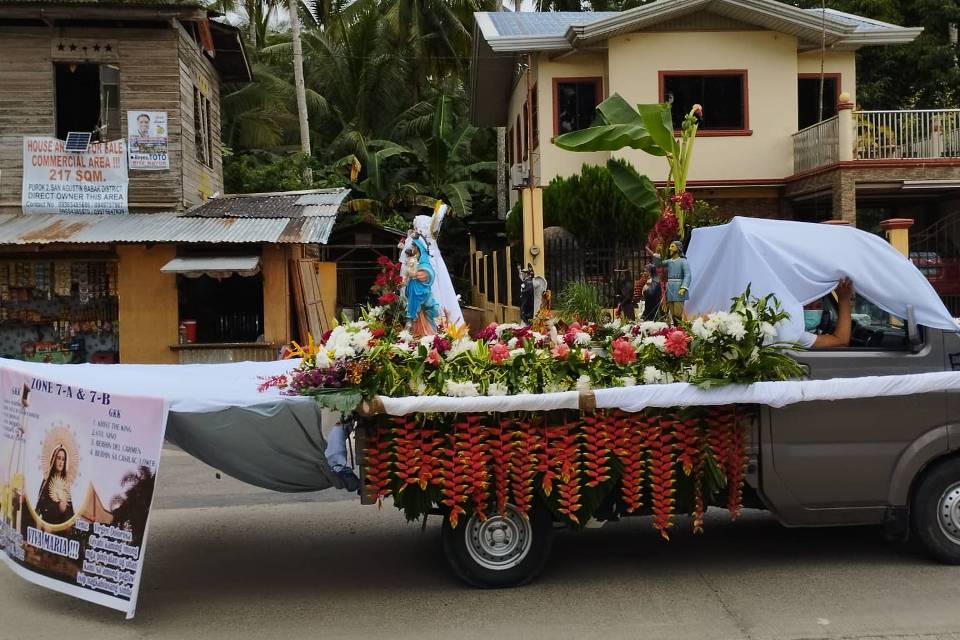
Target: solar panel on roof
(78,141)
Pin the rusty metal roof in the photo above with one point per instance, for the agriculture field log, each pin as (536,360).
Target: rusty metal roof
(287,204)
(160,227)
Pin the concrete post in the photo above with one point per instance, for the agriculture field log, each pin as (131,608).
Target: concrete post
(898,233)
(845,129)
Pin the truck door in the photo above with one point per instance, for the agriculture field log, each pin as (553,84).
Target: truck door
(832,462)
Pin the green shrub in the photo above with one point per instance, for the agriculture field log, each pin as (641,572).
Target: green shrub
(580,302)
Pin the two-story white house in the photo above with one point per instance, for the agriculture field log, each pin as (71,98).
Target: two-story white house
(766,146)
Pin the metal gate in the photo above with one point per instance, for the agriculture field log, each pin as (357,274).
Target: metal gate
(936,252)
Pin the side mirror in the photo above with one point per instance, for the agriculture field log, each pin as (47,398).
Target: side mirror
(913,332)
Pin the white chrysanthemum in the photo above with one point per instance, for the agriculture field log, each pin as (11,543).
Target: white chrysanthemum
(497,389)
(647,327)
(616,323)
(768,333)
(509,326)
(426,341)
(461,389)
(658,341)
(582,339)
(583,383)
(375,312)
(323,359)
(629,381)
(405,335)
(537,337)
(700,330)
(554,387)
(361,340)
(652,375)
(460,346)
(734,328)
(515,352)
(512,343)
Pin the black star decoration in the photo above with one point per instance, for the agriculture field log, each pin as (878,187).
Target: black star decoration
(108,48)
(96,47)
(73,47)
(60,47)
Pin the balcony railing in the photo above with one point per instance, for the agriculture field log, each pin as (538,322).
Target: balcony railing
(816,146)
(880,135)
(922,133)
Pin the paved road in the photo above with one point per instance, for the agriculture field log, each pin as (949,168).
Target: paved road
(229,561)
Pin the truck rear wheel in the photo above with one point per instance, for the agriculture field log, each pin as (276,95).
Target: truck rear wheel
(499,551)
(935,512)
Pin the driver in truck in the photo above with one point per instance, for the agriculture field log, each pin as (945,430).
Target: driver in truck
(840,337)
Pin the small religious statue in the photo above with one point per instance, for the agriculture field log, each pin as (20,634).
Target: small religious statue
(544,316)
(651,294)
(677,276)
(624,294)
(422,309)
(527,295)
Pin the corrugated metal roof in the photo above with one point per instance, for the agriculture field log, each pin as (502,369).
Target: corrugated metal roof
(547,23)
(161,227)
(292,204)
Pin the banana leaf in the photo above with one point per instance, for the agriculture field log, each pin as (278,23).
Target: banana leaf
(639,190)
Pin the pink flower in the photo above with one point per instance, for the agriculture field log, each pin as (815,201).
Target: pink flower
(587,355)
(677,343)
(623,351)
(499,353)
(697,110)
(488,333)
(561,351)
(686,201)
(434,358)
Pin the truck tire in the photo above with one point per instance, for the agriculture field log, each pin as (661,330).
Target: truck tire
(499,551)
(935,511)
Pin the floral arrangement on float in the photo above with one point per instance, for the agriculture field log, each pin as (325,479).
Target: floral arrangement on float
(657,461)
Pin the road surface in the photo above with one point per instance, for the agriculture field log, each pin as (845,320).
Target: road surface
(229,561)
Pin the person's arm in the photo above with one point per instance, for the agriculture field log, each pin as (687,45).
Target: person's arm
(841,333)
(684,276)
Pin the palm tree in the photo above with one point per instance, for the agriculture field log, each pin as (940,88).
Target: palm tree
(130,509)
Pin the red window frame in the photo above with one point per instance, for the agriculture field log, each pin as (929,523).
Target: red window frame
(709,133)
(598,95)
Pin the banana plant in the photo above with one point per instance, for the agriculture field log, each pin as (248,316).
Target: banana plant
(648,128)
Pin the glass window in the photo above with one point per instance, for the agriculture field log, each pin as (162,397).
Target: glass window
(722,95)
(808,91)
(576,102)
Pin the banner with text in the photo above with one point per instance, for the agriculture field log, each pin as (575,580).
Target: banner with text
(147,140)
(59,181)
(77,472)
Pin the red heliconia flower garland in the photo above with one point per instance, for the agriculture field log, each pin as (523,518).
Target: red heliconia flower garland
(377,455)
(565,459)
(406,450)
(630,442)
(525,460)
(596,450)
(736,465)
(455,474)
(659,443)
(687,435)
(431,442)
(478,458)
(501,445)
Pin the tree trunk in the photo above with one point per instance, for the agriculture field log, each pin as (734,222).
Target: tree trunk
(301,90)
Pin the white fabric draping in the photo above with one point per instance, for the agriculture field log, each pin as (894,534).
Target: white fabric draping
(800,262)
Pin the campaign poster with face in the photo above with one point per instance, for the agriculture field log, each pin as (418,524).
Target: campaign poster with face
(78,468)
(147,134)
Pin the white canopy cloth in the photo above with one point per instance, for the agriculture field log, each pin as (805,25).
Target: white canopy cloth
(800,262)
(443,291)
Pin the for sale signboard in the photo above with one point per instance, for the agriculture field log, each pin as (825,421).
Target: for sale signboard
(60,181)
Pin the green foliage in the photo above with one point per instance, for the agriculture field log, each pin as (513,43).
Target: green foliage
(705,214)
(591,206)
(580,302)
(260,172)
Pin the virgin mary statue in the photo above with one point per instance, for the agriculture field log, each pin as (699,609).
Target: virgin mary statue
(428,228)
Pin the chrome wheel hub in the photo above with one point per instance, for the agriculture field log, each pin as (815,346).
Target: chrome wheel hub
(499,542)
(948,513)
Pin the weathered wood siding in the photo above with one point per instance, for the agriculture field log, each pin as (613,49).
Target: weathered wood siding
(196,71)
(158,69)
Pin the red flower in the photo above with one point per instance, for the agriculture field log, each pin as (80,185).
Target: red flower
(433,358)
(441,344)
(397,279)
(380,281)
(499,353)
(378,333)
(383,261)
(623,351)
(387,298)
(561,351)
(488,333)
(677,343)
(686,201)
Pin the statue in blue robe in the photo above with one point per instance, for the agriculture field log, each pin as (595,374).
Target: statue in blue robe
(422,308)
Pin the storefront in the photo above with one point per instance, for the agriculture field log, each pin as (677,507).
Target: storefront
(61,309)
(216,284)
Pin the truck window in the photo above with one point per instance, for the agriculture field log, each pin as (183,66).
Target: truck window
(874,328)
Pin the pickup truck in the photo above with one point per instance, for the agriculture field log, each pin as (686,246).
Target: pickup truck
(893,462)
